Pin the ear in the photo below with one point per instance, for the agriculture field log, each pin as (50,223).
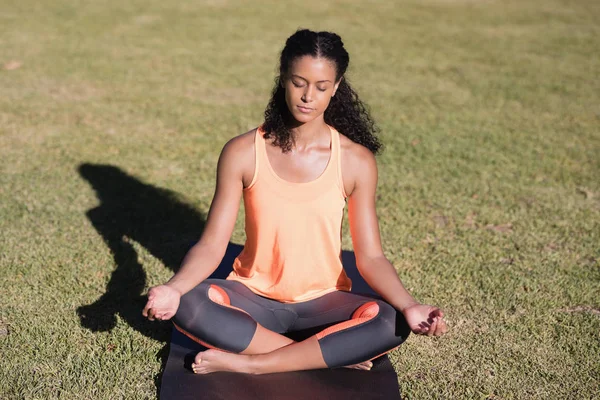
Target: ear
(335,87)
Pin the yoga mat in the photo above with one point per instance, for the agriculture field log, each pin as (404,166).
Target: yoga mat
(179,382)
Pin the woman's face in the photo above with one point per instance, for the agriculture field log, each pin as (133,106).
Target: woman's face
(309,86)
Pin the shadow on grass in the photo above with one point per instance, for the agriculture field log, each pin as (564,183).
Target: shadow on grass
(131,210)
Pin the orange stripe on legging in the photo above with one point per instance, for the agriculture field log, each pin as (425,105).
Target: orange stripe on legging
(195,339)
(385,352)
(219,296)
(364,313)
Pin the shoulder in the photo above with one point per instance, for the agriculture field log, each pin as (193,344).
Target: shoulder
(237,157)
(356,156)
(241,145)
(356,153)
(359,166)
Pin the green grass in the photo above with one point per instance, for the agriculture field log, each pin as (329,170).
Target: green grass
(489,193)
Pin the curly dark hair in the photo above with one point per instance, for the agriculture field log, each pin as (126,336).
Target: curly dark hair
(346,113)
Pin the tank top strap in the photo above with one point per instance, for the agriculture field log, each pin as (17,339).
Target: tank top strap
(262,165)
(258,141)
(336,158)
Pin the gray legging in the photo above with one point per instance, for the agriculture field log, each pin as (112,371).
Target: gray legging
(350,328)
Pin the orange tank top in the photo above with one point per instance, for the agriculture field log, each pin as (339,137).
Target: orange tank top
(293,231)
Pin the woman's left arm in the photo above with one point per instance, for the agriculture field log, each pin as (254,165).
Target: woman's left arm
(372,264)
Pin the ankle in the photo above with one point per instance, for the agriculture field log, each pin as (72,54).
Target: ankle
(255,364)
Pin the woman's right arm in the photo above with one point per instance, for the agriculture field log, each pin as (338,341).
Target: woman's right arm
(235,167)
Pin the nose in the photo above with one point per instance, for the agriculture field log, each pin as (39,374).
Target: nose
(307,96)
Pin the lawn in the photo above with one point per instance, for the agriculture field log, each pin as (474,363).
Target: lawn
(113,114)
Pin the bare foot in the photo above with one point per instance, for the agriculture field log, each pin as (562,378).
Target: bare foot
(365,366)
(209,361)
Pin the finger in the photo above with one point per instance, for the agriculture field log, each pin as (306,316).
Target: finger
(421,328)
(148,306)
(438,328)
(432,328)
(416,329)
(436,313)
(161,316)
(442,327)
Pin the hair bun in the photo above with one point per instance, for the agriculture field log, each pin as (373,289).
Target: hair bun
(333,37)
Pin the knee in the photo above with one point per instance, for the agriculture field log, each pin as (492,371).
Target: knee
(393,325)
(189,305)
(206,316)
(374,329)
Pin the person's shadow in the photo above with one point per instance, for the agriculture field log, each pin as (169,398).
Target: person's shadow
(133,211)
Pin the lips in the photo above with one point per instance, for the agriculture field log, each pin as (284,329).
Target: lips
(304,110)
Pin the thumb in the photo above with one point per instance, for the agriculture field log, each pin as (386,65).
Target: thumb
(168,315)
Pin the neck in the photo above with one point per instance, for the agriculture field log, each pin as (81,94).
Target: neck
(308,134)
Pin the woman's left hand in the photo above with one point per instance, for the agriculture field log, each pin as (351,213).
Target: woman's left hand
(425,320)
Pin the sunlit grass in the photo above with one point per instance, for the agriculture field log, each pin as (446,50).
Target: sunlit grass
(489,194)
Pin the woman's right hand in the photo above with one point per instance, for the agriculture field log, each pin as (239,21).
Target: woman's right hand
(163,302)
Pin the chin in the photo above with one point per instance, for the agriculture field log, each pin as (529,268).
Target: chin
(303,118)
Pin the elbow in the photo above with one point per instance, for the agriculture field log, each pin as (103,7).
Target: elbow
(367,263)
(212,253)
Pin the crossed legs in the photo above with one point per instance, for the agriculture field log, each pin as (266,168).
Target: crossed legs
(244,330)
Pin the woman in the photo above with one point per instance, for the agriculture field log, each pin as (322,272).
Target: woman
(314,152)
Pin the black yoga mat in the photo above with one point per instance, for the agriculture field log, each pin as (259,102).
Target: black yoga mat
(179,382)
